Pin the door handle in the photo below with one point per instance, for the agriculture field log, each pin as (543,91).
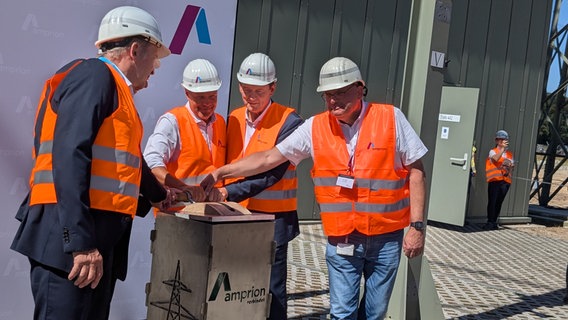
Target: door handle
(460,162)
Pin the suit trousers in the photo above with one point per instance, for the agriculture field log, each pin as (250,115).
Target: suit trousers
(58,298)
(286,228)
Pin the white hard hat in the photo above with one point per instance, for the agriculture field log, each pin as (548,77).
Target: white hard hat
(200,75)
(502,134)
(337,73)
(126,21)
(257,69)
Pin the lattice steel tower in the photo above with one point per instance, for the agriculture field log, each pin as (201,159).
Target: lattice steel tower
(552,149)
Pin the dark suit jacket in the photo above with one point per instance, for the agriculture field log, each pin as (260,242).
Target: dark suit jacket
(50,233)
(286,223)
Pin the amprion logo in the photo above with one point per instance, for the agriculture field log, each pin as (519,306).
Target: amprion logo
(12,69)
(252,295)
(192,15)
(30,24)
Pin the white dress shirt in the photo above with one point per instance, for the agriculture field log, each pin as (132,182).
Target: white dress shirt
(409,148)
(164,145)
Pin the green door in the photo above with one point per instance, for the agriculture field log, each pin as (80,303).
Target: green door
(452,158)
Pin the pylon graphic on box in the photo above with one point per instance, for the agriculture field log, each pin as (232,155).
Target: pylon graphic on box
(174,306)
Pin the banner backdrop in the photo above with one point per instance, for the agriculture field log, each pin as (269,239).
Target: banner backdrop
(38,37)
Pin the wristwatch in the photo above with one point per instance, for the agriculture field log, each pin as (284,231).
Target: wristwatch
(418,225)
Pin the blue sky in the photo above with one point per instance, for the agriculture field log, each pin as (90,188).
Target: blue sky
(554,76)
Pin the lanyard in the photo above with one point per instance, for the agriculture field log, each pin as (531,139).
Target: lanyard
(104,59)
(351,164)
(107,61)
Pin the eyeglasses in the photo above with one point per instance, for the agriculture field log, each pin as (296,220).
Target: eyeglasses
(151,40)
(127,41)
(337,94)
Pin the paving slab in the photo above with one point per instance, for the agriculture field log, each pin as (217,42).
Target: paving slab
(501,274)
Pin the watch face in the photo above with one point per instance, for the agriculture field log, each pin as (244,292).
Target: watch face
(418,225)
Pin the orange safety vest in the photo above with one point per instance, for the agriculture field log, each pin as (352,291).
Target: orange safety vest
(379,201)
(281,196)
(116,163)
(195,160)
(495,171)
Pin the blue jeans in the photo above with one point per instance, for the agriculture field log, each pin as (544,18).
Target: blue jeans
(374,257)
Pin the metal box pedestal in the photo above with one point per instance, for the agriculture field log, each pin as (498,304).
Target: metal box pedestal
(210,267)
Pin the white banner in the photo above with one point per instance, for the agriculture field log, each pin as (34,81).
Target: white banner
(39,37)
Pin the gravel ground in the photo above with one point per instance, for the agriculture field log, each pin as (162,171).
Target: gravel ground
(543,231)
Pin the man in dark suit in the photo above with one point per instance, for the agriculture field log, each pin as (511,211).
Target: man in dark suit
(89,179)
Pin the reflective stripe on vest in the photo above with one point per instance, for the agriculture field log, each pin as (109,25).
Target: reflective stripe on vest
(289,187)
(45,147)
(280,197)
(290,173)
(494,175)
(494,170)
(114,186)
(98,183)
(114,155)
(276,195)
(115,173)
(365,207)
(43,176)
(379,200)
(99,152)
(373,184)
(195,160)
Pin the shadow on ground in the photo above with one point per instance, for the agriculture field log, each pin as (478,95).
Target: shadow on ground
(525,307)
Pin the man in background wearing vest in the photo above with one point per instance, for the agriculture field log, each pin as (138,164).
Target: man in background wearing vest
(369,184)
(190,141)
(498,168)
(257,126)
(89,179)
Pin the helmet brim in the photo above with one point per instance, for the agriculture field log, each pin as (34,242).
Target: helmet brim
(335,86)
(253,81)
(199,89)
(163,50)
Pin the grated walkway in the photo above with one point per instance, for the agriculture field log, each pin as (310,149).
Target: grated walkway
(504,274)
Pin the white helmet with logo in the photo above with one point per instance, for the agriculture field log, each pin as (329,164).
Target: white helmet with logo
(126,21)
(200,75)
(337,73)
(257,69)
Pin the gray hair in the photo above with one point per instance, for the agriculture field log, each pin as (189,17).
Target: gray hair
(113,50)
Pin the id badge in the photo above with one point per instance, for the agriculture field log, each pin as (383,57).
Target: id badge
(345,181)
(345,249)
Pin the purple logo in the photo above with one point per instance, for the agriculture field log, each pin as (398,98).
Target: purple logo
(192,15)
